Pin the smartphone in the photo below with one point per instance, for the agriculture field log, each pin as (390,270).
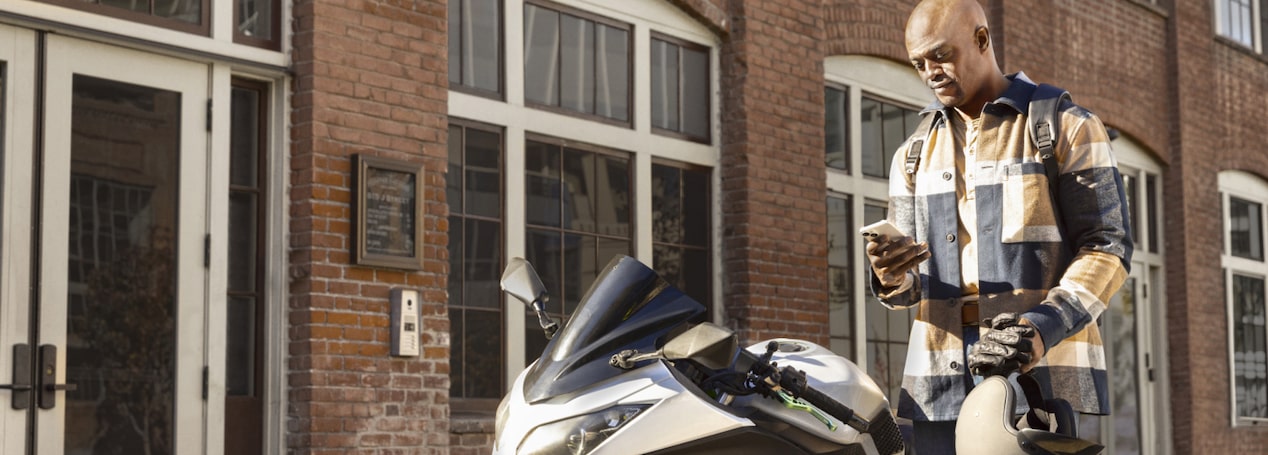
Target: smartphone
(882,227)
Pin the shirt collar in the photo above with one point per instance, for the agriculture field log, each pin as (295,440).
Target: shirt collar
(1016,96)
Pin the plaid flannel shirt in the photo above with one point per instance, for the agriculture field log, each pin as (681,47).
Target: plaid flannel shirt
(1059,266)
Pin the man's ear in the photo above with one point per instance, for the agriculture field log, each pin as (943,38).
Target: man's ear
(982,38)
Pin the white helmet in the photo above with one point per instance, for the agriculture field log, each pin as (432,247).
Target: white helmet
(986,423)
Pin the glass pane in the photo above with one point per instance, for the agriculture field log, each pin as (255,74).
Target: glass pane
(453,180)
(614,74)
(579,269)
(1246,233)
(545,251)
(243,249)
(612,203)
(605,250)
(457,232)
(668,262)
(895,133)
(240,347)
(697,208)
(1250,353)
(255,18)
(578,189)
(133,5)
(1133,208)
(544,193)
(244,151)
(483,195)
(664,85)
(1121,336)
(834,129)
(541,55)
(121,329)
(698,275)
(481,268)
(840,275)
(183,10)
(870,131)
(667,211)
(482,341)
(455,49)
(483,25)
(457,349)
(695,93)
(576,83)
(1151,212)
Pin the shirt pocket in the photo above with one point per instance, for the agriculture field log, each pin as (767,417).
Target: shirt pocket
(1027,213)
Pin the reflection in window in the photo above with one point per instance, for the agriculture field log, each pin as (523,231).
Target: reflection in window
(474,193)
(475,44)
(884,127)
(1120,326)
(578,212)
(1151,206)
(840,276)
(680,88)
(576,63)
(1245,228)
(887,330)
(835,121)
(1250,353)
(1235,19)
(244,350)
(188,15)
(680,229)
(258,22)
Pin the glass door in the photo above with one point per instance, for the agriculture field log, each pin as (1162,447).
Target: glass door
(122,281)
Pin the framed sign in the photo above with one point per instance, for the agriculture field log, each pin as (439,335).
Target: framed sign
(388,229)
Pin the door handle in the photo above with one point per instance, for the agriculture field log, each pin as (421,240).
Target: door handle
(47,397)
(21,387)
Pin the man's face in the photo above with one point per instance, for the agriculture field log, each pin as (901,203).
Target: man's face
(947,59)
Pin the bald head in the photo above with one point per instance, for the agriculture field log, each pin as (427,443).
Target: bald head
(932,15)
(949,44)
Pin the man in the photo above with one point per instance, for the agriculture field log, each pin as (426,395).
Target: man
(990,241)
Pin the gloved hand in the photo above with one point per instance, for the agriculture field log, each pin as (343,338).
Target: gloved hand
(1010,345)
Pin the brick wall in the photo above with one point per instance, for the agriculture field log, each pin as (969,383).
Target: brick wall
(1222,105)
(370,78)
(773,187)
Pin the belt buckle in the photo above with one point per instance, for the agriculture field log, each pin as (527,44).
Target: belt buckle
(970,314)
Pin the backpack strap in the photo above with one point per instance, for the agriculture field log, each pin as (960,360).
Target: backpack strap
(1044,118)
(917,143)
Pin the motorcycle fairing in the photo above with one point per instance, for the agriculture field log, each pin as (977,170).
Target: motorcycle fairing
(628,307)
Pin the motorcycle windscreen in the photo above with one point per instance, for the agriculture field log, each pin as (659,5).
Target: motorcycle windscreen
(629,306)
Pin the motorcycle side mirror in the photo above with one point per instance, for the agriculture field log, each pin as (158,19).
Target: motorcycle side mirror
(520,280)
(708,344)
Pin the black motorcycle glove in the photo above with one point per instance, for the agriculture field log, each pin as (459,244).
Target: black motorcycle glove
(1005,348)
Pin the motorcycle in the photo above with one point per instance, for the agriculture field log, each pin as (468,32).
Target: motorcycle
(636,370)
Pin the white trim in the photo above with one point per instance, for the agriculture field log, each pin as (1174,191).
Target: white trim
(17,57)
(68,56)
(276,283)
(518,121)
(87,25)
(1249,187)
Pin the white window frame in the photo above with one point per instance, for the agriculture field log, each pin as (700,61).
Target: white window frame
(891,81)
(1245,186)
(1147,272)
(1224,28)
(519,121)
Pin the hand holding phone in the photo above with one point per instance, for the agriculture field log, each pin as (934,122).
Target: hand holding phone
(879,228)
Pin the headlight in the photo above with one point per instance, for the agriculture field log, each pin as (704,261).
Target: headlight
(578,435)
